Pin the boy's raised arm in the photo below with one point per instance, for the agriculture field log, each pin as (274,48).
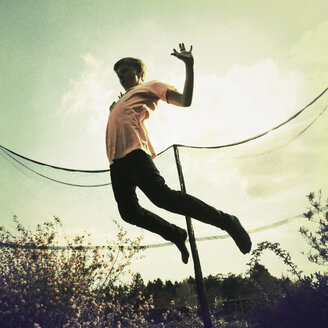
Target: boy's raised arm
(184,99)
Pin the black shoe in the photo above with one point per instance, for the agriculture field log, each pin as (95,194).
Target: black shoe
(181,244)
(238,234)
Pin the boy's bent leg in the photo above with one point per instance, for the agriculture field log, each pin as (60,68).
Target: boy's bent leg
(153,185)
(181,203)
(133,213)
(143,218)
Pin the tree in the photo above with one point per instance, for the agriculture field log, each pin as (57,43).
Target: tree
(186,293)
(213,288)
(234,287)
(303,303)
(318,240)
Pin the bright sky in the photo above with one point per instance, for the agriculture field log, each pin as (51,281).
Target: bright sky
(256,64)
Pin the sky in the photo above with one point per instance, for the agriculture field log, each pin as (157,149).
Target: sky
(256,64)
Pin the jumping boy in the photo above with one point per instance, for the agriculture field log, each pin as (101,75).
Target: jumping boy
(130,155)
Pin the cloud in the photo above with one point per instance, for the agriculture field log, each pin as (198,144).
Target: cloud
(89,95)
(310,54)
(245,101)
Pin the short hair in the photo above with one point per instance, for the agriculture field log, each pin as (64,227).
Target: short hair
(135,62)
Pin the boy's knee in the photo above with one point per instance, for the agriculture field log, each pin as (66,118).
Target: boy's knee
(162,196)
(129,213)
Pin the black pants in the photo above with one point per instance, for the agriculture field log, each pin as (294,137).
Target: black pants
(138,170)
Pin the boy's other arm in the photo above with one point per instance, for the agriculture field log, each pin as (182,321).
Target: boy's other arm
(184,99)
(112,106)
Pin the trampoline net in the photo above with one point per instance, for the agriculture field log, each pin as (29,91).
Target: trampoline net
(262,180)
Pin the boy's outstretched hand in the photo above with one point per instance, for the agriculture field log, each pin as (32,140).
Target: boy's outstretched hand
(183,99)
(184,55)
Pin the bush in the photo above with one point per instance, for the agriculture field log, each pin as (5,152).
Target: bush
(303,303)
(43,285)
(318,240)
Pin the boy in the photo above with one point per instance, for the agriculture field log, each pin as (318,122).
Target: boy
(130,155)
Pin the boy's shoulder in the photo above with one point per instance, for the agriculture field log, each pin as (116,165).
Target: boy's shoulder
(154,88)
(155,84)
(150,83)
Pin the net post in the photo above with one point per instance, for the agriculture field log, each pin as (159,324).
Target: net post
(204,308)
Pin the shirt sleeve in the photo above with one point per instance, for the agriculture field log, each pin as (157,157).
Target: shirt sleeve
(159,89)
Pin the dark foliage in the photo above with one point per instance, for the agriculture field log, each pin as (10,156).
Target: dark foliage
(304,305)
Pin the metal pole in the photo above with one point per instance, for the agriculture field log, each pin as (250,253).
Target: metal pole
(204,308)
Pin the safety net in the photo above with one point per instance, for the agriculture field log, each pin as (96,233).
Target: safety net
(262,179)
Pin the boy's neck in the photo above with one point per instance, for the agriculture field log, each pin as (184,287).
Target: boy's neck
(127,90)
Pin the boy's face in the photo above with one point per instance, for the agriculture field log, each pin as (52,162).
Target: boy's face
(128,76)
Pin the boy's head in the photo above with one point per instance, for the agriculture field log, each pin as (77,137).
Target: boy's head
(126,67)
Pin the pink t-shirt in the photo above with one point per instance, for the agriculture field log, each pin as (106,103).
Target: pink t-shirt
(125,128)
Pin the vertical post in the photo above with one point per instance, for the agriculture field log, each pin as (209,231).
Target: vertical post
(204,308)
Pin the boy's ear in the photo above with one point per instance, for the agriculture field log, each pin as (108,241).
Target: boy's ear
(140,76)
